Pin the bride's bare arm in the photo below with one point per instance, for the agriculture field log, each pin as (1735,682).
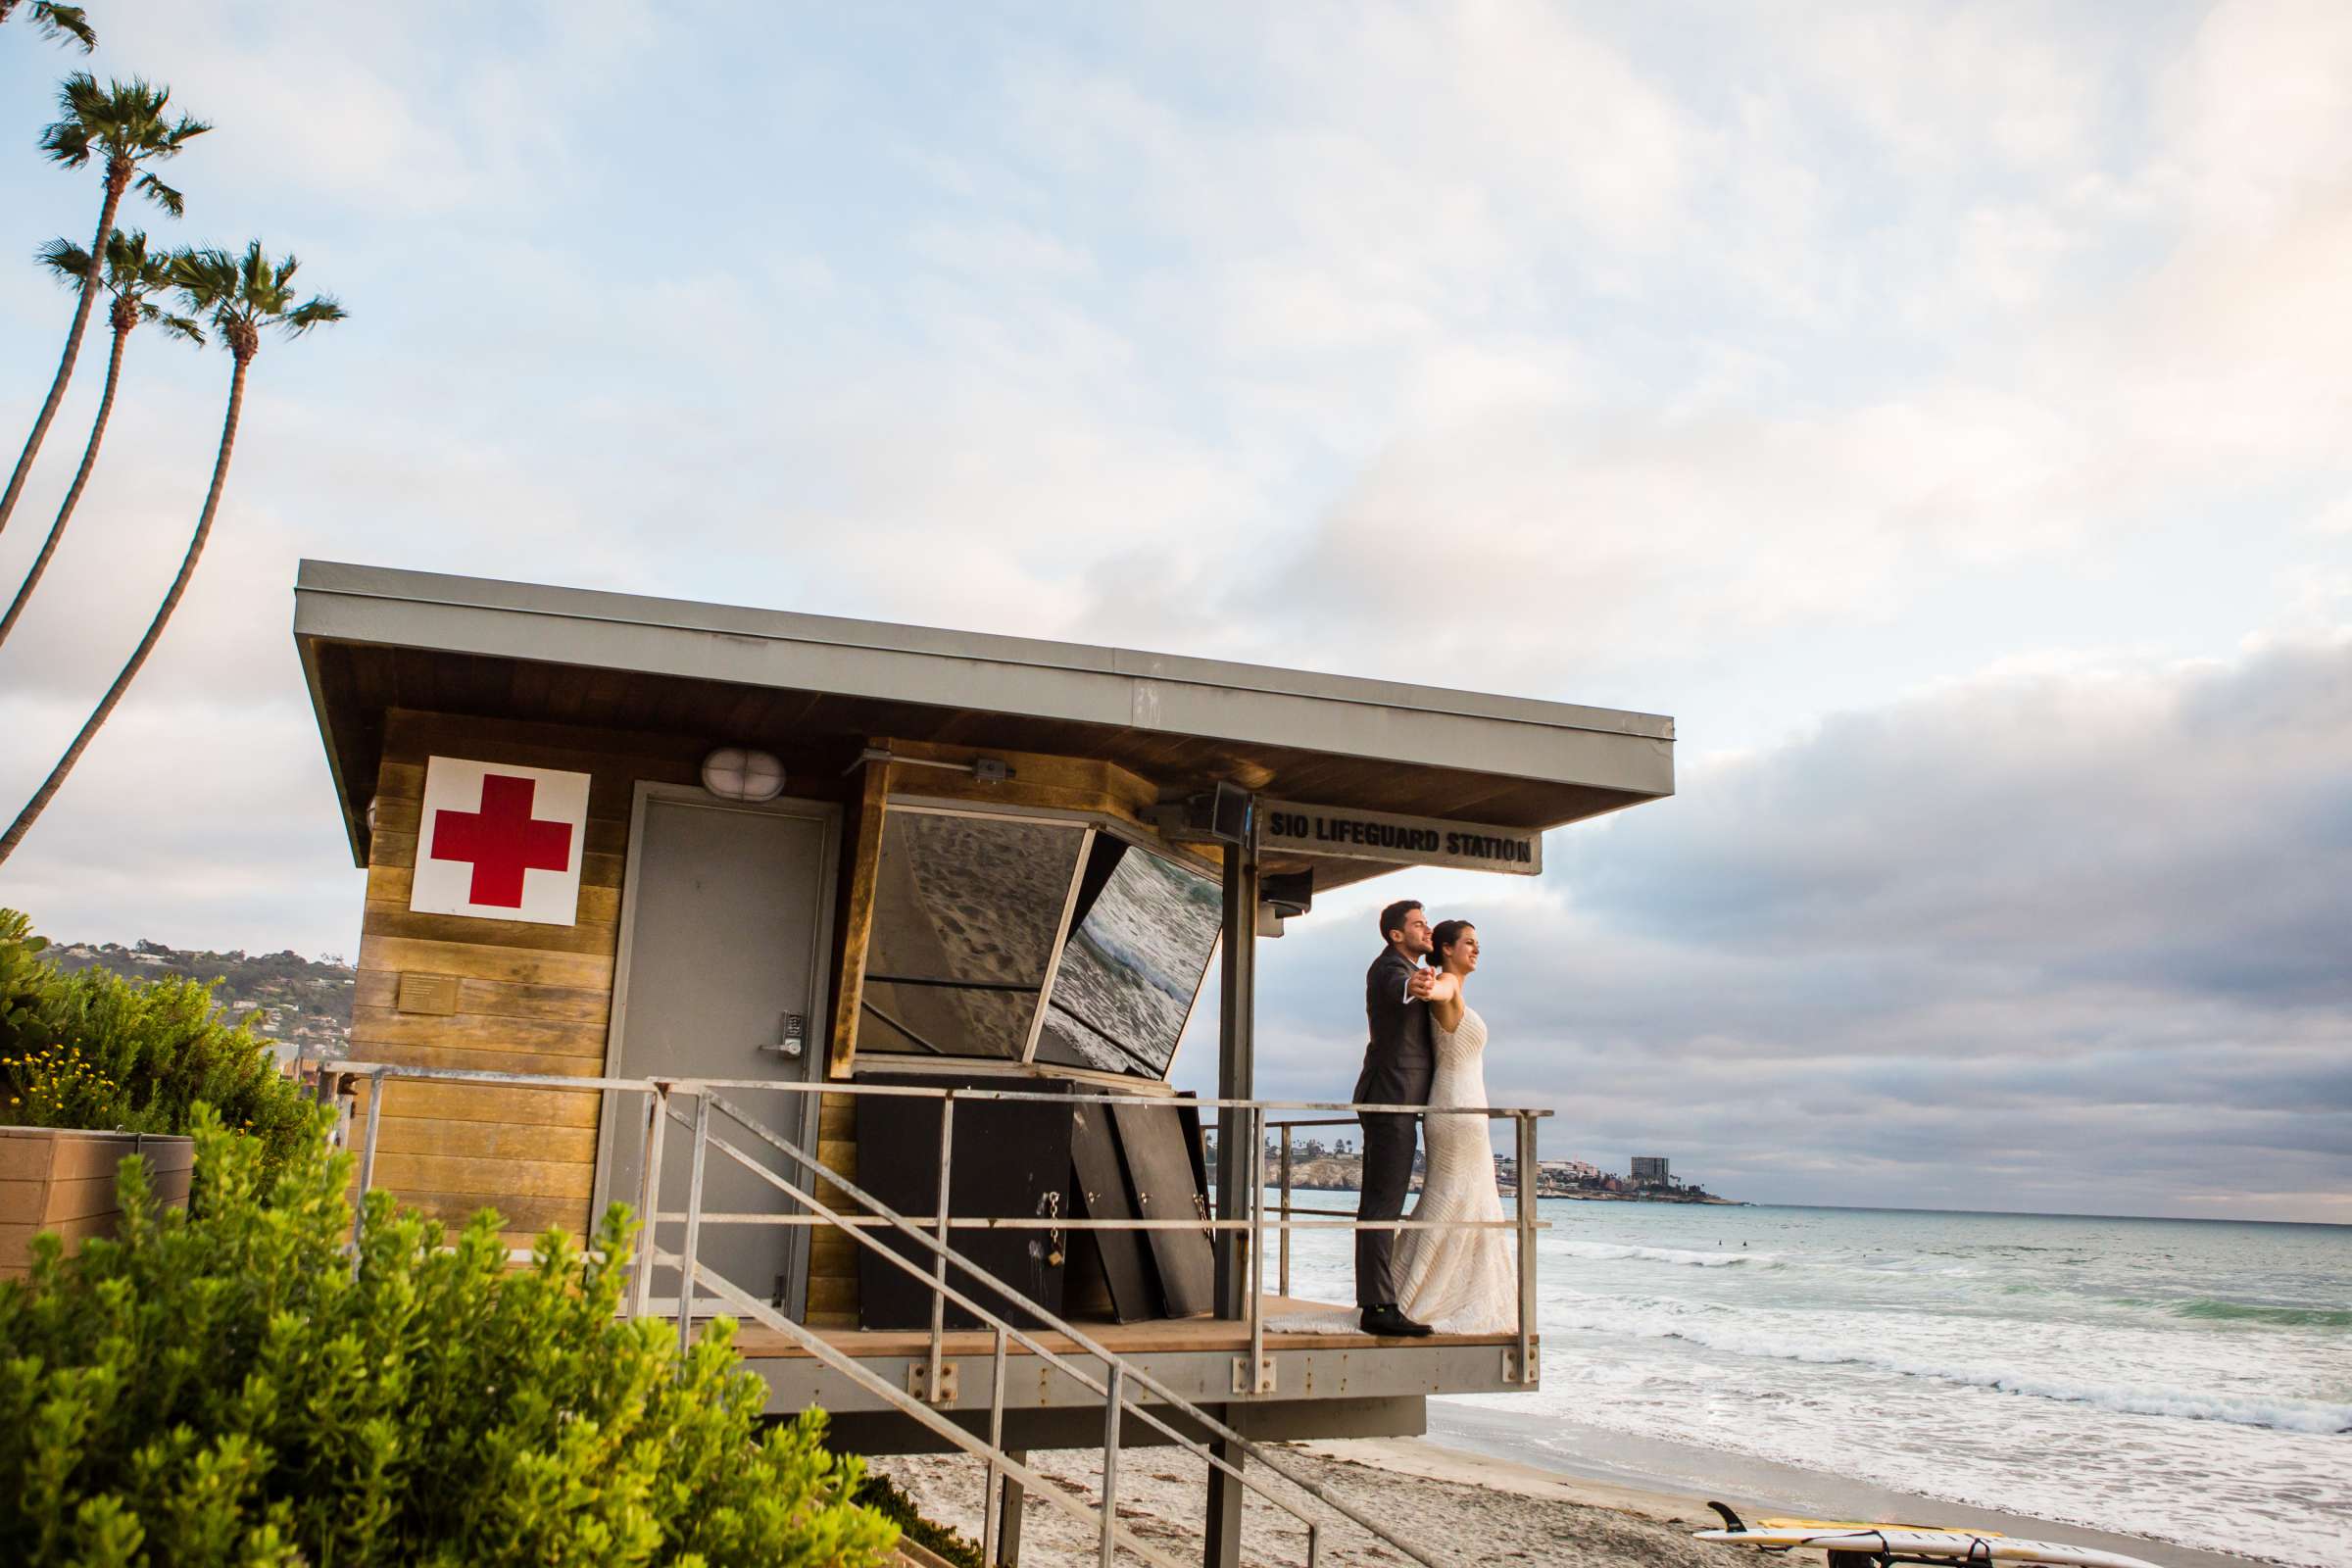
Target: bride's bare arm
(1445,1001)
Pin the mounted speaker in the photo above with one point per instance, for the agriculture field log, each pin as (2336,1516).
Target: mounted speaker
(1292,892)
(1229,813)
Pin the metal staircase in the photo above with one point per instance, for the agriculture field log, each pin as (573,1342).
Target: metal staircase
(1124,1386)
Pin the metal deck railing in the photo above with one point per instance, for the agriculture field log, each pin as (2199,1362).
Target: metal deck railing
(1122,1383)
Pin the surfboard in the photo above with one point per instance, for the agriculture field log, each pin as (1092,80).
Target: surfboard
(1918,1543)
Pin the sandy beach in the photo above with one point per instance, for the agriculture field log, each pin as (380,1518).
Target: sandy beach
(1465,1507)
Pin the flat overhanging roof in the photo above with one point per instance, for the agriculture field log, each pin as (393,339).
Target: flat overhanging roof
(373,638)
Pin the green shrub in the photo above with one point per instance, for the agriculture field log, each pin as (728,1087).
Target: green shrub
(96,1051)
(216,1387)
(885,1498)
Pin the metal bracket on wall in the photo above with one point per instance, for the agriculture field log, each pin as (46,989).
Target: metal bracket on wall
(918,1381)
(1242,1380)
(1534,1365)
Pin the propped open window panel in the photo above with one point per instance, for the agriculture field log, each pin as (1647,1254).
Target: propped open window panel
(1032,942)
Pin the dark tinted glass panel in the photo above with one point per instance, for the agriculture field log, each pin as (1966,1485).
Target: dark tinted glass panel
(945,1020)
(1142,938)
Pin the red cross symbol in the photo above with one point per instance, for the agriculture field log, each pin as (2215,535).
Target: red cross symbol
(503,840)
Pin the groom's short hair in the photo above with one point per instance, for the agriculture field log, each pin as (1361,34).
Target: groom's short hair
(1391,918)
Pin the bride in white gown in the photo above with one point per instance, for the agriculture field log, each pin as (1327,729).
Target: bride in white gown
(1457,1281)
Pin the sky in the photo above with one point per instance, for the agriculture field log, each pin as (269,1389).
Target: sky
(1940,411)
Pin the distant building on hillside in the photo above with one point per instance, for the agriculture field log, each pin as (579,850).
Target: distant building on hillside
(1649,1170)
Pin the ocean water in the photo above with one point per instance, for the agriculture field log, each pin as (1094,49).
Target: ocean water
(2187,1380)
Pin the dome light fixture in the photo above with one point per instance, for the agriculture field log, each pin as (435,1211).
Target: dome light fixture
(736,773)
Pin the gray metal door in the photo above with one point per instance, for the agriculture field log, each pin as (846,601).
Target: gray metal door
(723,950)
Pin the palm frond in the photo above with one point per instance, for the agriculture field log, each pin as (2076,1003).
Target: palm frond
(63,22)
(179,326)
(164,196)
(177,137)
(317,311)
(66,261)
(134,272)
(243,293)
(207,279)
(125,120)
(67,139)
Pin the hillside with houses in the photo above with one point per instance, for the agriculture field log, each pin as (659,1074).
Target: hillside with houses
(302,1004)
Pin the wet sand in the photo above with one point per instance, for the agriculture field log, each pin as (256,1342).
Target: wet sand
(1689,1475)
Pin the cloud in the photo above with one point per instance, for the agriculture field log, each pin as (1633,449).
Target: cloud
(2062,938)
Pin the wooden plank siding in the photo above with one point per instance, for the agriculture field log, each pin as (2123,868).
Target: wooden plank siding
(535,998)
(832,1255)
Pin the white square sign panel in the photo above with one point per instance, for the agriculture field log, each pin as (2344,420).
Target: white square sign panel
(499,842)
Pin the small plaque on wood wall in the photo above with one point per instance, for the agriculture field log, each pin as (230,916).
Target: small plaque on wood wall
(428,992)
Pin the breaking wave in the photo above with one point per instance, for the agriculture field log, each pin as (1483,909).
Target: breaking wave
(2323,1317)
(2315,1416)
(1667,1254)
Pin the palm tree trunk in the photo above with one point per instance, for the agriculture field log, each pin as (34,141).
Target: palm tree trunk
(81,477)
(65,367)
(155,628)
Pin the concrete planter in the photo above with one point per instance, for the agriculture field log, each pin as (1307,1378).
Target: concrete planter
(58,1179)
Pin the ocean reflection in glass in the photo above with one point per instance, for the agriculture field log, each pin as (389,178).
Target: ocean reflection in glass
(1138,945)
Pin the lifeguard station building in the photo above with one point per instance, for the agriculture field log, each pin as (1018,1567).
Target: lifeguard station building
(859,955)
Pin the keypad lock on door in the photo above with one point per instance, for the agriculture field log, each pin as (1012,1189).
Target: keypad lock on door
(791,1036)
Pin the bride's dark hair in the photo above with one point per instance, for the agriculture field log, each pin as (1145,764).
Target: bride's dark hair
(1445,935)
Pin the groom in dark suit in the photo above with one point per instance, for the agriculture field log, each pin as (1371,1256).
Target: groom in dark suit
(1399,1065)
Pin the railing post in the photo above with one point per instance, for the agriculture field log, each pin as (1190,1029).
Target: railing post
(649,1196)
(1257,1249)
(375,1120)
(989,1503)
(694,1227)
(1116,1385)
(939,1261)
(1283,1274)
(1524,1210)
(1237,1079)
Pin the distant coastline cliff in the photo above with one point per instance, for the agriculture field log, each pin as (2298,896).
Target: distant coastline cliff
(301,1005)
(1560,1179)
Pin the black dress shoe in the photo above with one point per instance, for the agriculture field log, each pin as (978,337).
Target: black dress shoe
(1389,1322)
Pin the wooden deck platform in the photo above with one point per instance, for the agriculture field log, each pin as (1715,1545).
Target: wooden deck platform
(1153,1334)
(1322,1383)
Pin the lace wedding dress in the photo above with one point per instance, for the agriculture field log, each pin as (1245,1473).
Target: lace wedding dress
(1458,1280)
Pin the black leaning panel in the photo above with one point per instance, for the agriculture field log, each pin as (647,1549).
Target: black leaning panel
(1010,1160)
(1152,1136)
(1103,1195)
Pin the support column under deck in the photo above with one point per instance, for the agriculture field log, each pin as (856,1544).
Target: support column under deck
(1008,1517)
(1236,1012)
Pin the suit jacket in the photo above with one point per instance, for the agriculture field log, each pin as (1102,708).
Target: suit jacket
(1400,1061)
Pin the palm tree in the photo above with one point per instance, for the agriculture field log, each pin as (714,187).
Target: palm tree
(133,275)
(124,127)
(56,21)
(242,296)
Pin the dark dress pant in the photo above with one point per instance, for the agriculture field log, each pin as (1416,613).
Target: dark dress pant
(1389,1142)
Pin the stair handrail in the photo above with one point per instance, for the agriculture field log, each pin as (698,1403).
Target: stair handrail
(1119,1373)
(1118,1368)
